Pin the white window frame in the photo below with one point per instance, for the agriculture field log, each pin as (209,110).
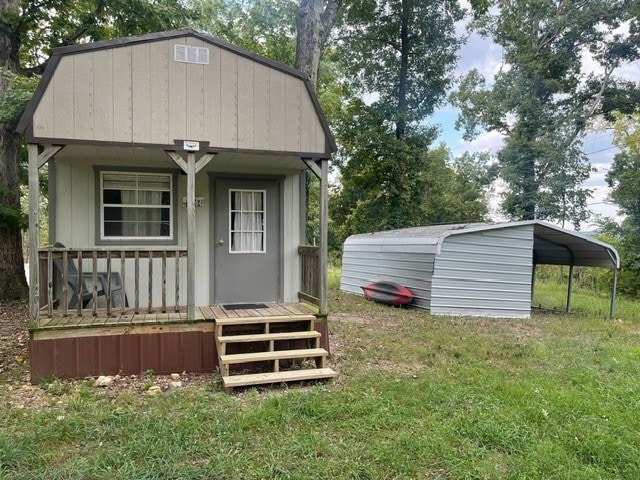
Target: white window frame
(170,207)
(264,220)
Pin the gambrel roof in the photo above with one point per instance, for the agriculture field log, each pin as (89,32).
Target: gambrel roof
(158,89)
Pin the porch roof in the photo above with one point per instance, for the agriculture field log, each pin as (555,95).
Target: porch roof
(271,163)
(150,91)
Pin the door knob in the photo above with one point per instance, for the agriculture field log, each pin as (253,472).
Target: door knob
(220,242)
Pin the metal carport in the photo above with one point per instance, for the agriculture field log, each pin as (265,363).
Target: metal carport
(471,269)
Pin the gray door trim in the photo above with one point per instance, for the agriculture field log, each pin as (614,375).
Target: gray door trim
(213,176)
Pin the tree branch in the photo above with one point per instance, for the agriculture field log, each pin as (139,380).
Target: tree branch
(328,18)
(605,81)
(84,23)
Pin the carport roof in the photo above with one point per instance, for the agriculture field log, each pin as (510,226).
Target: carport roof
(552,245)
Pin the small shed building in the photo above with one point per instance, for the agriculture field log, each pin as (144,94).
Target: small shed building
(176,166)
(470,269)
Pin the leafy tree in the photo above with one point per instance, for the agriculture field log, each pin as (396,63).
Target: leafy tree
(314,21)
(12,279)
(475,172)
(29,30)
(624,180)
(266,27)
(404,51)
(388,183)
(382,178)
(542,99)
(401,54)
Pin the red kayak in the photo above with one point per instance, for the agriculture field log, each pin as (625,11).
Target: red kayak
(389,293)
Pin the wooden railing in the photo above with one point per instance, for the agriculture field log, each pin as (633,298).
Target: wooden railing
(309,274)
(78,281)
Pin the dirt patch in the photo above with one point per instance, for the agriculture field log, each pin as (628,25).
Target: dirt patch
(17,391)
(525,332)
(14,341)
(60,392)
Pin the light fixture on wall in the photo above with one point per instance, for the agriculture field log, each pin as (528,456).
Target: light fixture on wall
(199,201)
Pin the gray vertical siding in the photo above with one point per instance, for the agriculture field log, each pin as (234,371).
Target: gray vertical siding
(407,261)
(485,273)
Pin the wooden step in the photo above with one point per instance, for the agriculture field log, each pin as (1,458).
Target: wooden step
(260,337)
(277,377)
(277,355)
(257,320)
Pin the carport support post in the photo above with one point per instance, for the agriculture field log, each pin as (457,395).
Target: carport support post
(614,288)
(569,288)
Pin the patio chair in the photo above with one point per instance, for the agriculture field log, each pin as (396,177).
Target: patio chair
(117,295)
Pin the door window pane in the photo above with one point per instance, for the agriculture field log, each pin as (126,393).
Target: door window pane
(246,221)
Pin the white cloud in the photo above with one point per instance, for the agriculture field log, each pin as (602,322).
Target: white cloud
(629,71)
(482,54)
(489,142)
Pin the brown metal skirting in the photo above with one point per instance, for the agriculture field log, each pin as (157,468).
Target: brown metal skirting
(163,353)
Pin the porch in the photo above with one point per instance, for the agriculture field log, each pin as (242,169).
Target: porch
(58,325)
(109,311)
(249,346)
(108,286)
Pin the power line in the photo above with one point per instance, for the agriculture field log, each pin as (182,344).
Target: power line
(601,150)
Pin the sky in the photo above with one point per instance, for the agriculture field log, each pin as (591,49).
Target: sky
(486,56)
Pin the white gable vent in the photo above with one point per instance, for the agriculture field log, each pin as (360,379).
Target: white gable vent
(189,54)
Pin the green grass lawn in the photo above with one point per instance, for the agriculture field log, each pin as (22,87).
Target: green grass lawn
(583,302)
(555,397)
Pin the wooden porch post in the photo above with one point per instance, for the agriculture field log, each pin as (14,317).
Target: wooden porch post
(36,160)
(34,234)
(324,231)
(191,235)
(191,168)
(322,172)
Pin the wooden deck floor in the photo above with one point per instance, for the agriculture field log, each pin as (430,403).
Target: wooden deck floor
(207,313)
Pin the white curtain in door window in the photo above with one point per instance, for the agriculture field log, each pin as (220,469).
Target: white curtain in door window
(246,221)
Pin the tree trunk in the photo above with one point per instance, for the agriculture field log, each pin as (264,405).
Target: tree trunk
(314,21)
(401,123)
(13,284)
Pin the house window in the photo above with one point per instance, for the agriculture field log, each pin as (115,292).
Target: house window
(136,206)
(246,221)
